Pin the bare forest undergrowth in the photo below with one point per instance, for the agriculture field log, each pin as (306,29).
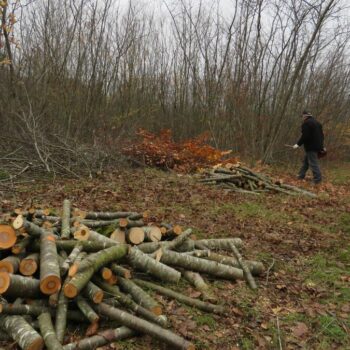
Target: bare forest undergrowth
(303,300)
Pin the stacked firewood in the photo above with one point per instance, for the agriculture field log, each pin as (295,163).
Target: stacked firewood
(100,269)
(238,178)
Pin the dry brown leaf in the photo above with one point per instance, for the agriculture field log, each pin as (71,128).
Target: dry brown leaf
(300,330)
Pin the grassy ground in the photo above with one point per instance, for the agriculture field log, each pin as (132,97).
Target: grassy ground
(303,300)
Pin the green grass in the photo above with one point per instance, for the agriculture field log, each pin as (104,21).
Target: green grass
(208,320)
(330,328)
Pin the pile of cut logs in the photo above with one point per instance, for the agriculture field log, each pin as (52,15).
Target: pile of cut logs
(101,269)
(237,178)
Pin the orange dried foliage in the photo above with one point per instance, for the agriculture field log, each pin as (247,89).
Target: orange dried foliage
(162,152)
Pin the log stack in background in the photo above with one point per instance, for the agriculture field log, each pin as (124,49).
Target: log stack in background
(237,178)
(102,269)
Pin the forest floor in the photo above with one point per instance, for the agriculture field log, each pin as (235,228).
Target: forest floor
(303,302)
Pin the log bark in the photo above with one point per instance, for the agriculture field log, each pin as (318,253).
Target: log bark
(218,244)
(88,246)
(103,338)
(104,257)
(256,268)
(123,222)
(201,305)
(19,286)
(48,332)
(8,237)
(9,264)
(50,278)
(90,265)
(143,262)
(247,274)
(65,225)
(201,265)
(127,302)
(95,236)
(61,314)
(139,295)
(121,271)
(29,227)
(144,326)
(87,310)
(21,245)
(92,292)
(71,258)
(29,265)
(109,215)
(149,248)
(22,332)
(74,268)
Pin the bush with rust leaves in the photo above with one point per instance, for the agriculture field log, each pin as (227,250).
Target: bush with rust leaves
(163,152)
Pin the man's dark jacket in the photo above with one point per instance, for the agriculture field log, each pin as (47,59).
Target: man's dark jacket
(311,135)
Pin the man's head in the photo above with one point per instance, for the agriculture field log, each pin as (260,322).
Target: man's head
(306,114)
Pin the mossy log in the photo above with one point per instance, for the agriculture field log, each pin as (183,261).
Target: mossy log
(151,247)
(21,223)
(92,264)
(9,264)
(87,310)
(48,332)
(127,302)
(19,286)
(50,277)
(256,268)
(121,271)
(29,265)
(201,305)
(21,245)
(123,222)
(143,262)
(139,295)
(61,314)
(218,244)
(93,292)
(65,225)
(247,274)
(143,326)
(8,237)
(106,215)
(70,259)
(201,265)
(22,332)
(103,338)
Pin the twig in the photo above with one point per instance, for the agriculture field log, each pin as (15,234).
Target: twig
(279,333)
(268,271)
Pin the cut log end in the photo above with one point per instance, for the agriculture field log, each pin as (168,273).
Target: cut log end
(4,282)
(157,310)
(98,297)
(177,230)
(8,236)
(28,267)
(70,291)
(6,266)
(82,234)
(50,285)
(106,273)
(123,222)
(18,222)
(136,235)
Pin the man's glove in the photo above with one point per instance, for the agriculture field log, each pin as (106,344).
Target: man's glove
(295,146)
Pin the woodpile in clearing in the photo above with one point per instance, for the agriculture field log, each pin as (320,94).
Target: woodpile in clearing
(103,269)
(238,178)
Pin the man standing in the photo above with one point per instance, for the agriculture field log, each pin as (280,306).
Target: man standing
(312,138)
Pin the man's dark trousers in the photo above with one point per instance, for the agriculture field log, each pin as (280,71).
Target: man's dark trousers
(311,160)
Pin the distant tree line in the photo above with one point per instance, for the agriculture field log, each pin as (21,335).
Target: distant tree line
(83,75)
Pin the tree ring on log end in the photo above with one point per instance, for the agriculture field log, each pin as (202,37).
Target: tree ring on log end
(8,236)
(50,285)
(70,291)
(4,282)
